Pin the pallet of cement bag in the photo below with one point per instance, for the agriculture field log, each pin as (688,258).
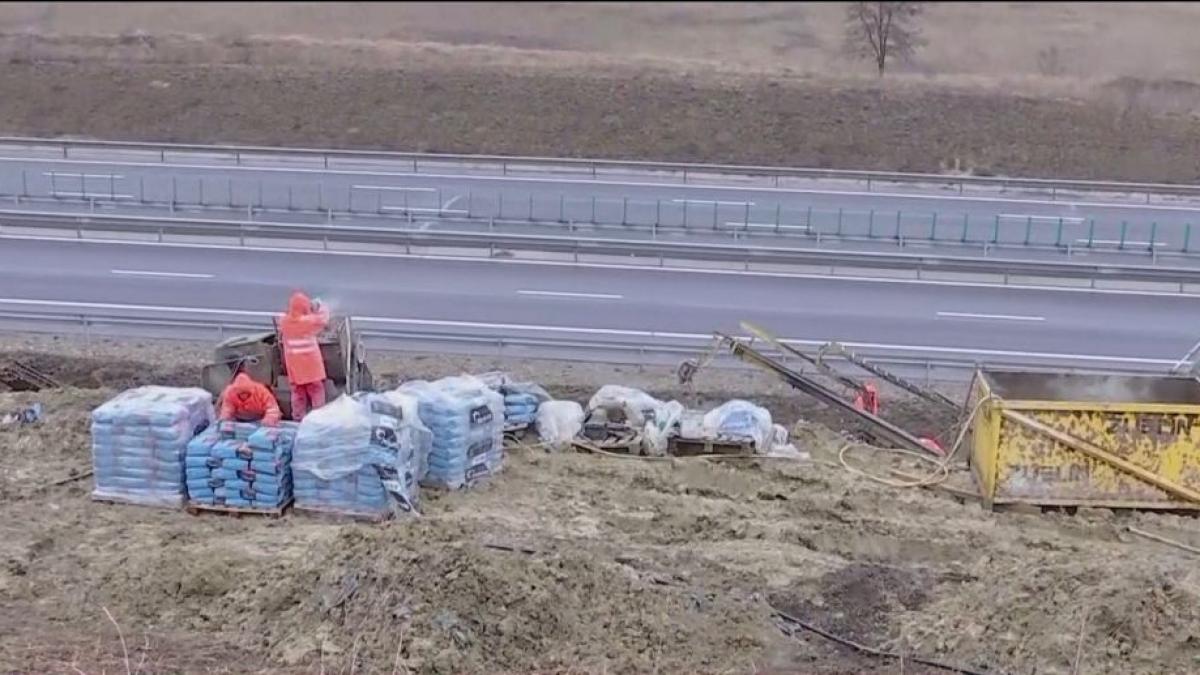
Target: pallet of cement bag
(196,509)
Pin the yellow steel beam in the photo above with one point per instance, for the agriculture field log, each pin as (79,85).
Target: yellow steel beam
(1102,455)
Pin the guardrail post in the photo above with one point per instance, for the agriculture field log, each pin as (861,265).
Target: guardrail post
(657,212)
(1028,229)
(1187,235)
(162,155)
(321,198)
(593,210)
(933,227)
(1058,237)
(1091,232)
(779,208)
(249,212)
(996,230)
(415,169)
(405,205)
(839,221)
(439,201)
(201,182)
(112,187)
(24,184)
(625,210)
(715,206)
(868,183)
(174,192)
(141,189)
(161,234)
(960,187)
(325,160)
(470,199)
(289,198)
(685,180)
(746,220)
(92,204)
(241,235)
(899,237)
(871,224)
(53,187)
(685,210)
(1147,197)
(1124,227)
(229,191)
(562,208)
(499,204)
(966,226)
(504,168)
(530,206)
(237,157)
(1153,231)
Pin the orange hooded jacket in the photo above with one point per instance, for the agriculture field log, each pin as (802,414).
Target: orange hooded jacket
(245,399)
(301,352)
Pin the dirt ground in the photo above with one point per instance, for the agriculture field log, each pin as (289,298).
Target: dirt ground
(758,83)
(573,563)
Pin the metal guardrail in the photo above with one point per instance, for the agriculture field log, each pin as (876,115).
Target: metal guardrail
(240,153)
(665,351)
(578,246)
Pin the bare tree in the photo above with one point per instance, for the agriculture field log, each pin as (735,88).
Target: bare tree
(882,30)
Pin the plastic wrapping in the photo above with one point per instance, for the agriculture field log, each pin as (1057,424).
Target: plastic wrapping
(740,420)
(521,399)
(242,464)
(558,423)
(466,418)
(637,405)
(657,432)
(361,455)
(139,440)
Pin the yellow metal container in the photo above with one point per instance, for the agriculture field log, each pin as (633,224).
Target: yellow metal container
(1086,440)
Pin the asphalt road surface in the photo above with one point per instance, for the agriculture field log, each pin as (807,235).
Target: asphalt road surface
(1072,327)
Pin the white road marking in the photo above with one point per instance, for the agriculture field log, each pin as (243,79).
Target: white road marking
(711,201)
(393,188)
(148,273)
(422,209)
(1022,216)
(568,294)
(997,317)
(606,266)
(1186,358)
(706,337)
(98,194)
(450,202)
(106,176)
(157,166)
(1117,242)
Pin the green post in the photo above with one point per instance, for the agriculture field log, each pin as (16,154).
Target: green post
(1028,229)
(996,230)
(1153,231)
(1124,227)
(933,227)
(1058,237)
(871,224)
(966,225)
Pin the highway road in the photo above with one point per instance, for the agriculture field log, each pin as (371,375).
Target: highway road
(1073,327)
(121,180)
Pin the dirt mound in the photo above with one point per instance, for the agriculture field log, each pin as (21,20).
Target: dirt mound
(91,373)
(401,595)
(1067,616)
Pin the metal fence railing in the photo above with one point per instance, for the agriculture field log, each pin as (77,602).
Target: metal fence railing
(241,155)
(310,201)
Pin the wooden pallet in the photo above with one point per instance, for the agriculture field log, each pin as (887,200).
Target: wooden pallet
(237,511)
(689,447)
(342,516)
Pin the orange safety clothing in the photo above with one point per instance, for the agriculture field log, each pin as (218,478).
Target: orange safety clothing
(245,400)
(301,351)
(868,399)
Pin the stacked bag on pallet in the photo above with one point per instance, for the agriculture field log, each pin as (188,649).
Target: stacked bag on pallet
(362,455)
(240,464)
(139,439)
(466,417)
(521,399)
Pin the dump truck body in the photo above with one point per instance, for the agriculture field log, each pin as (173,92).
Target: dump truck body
(1086,440)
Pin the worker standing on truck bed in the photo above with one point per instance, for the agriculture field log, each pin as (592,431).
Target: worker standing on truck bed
(245,400)
(302,353)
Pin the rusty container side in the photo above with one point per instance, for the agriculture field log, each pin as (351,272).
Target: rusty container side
(1150,422)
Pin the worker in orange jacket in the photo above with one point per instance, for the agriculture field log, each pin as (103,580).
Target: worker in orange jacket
(868,399)
(245,400)
(302,353)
